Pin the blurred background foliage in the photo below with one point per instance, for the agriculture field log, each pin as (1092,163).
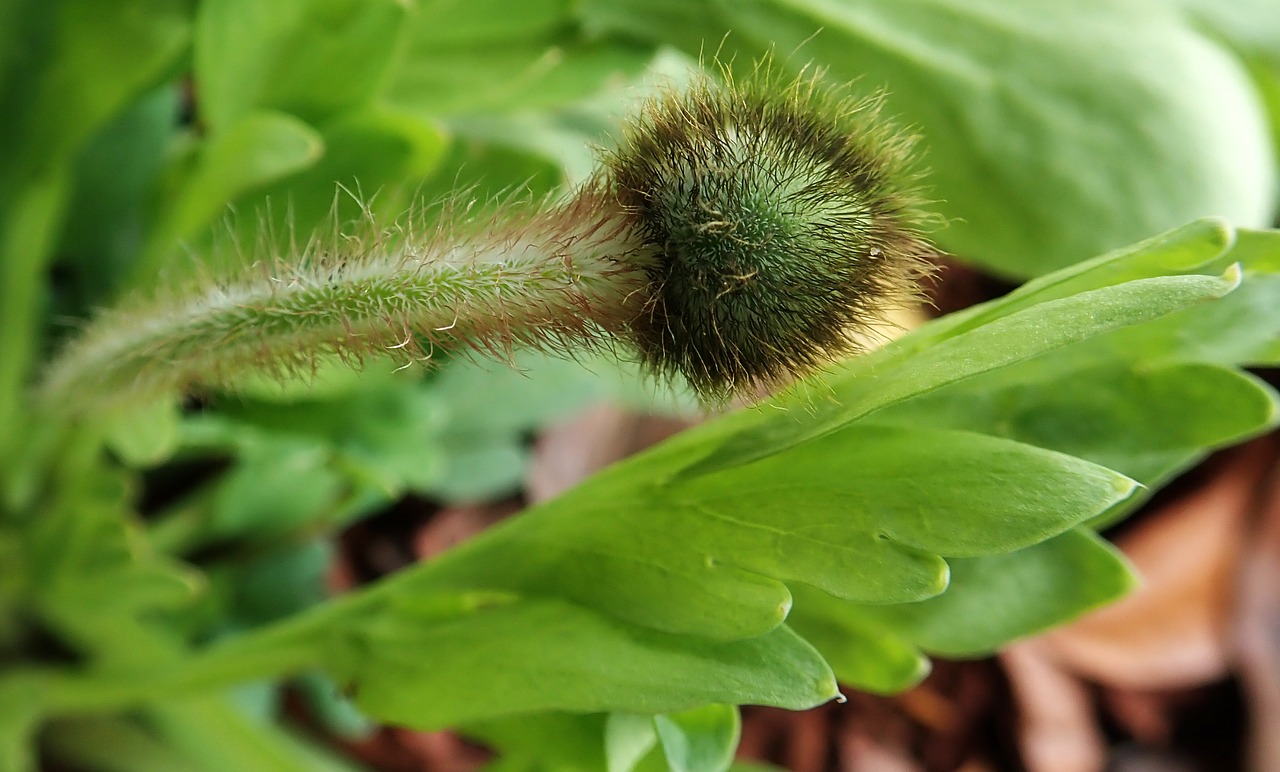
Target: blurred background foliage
(1049,132)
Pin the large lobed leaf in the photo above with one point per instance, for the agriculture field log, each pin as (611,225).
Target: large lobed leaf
(1051,131)
(942,462)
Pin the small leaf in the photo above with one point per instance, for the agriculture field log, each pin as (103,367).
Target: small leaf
(257,149)
(864,653)
(312,58)
(276,485)
(147,434)
(994,600)
(700,740)
(537,655)
(376,153)
(565,742)
(498,55)
(628,738)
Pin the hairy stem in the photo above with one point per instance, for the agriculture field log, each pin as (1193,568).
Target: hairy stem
(561,277)
(735,239)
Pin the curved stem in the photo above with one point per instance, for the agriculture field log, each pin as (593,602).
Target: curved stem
(560,277)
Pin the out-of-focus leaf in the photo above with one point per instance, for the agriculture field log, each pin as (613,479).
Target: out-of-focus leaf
(700,740)
(629,737)
(499,55)
(311,58)
(88,573)
(145,435)
(276,485)
(214,736)
(376,154)
(333,709)
(257,149)
(281,582)
(1249,24)
(566,742)
(66,74)
(113,744)
(107,217)
(1052,132)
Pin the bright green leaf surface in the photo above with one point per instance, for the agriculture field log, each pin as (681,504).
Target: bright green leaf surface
(854,513)
(991,601)
(700,740)
(1007,340)
(486,55)
(994,600)
(1143,421)
(539,655)
(312,58)
(628,737)
(865,654)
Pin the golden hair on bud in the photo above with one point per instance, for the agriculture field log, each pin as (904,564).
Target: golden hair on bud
(739,235)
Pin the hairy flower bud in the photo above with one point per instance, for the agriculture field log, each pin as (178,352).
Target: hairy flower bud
(780,225)
(739,236)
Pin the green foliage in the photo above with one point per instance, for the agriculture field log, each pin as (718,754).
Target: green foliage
(1052,131)
(940,495)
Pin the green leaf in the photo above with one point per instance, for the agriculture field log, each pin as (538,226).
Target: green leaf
(257,149)
(110,744)
(385,434)
(997,599)
(854,513)
(86,570)
(990,602)
(1146,421)
(147,434)
(700,740)
(865,654)
(280,582)
(216,737)
(534,655)
(332,709)
(1248,24)
(73,70)
(871,384)
(564,742)
(488,55)
(376,154)
(1052,132)
(1241,329)
(78,66)
(628,738)
(19,720)
(276,485)
(311,58)
(115,175)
